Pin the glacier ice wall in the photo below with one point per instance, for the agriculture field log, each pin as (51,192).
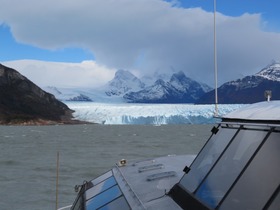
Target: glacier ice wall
(155,114)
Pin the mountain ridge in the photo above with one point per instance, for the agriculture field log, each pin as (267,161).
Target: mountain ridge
(249,89)
(177,88)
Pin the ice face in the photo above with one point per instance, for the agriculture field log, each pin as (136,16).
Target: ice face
(156,114)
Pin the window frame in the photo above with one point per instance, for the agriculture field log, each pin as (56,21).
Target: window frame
(191,197)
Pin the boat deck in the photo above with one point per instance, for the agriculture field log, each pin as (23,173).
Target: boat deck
(147,181)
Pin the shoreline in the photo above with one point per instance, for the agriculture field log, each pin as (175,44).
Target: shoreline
(41,122)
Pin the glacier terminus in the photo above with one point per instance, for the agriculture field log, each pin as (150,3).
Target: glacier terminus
(147,114)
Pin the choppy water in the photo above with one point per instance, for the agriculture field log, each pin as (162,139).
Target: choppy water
(29,153)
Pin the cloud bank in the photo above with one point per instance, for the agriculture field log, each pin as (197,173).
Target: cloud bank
(146,35)
(69,75)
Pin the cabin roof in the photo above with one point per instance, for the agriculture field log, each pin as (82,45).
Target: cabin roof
(267,111)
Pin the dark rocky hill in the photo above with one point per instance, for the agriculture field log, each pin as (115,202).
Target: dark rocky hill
(22,102)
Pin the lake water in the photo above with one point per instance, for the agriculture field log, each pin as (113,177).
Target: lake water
(29,155)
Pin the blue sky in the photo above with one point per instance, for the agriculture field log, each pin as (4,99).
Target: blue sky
(143,35)
(268,9)
(13,50)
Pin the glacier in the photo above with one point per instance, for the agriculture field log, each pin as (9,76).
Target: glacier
(147,114)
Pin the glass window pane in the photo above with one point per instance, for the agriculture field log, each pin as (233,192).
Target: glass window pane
(102,178)
(117,204)
(103,198)
(275,204)
(260,179)
(78,204)
(229,166)
(206,159)
(102,186)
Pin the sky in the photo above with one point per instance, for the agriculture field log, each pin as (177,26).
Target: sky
(83,42)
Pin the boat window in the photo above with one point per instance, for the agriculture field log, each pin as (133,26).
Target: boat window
(275,203)
(102,186)
(90,192)
(229,166)
(104,198)
(259,181)
(102,178)
(78,203)
(206,159)
(117,204)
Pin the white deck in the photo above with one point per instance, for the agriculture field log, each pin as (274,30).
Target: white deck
(143,193)
(267,110)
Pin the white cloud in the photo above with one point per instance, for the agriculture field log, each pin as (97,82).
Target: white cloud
(42,73)
(145,34)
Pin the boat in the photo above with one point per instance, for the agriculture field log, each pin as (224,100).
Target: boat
(237,168)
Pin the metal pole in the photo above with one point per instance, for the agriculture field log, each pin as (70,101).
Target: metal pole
(215,64)
(57,174)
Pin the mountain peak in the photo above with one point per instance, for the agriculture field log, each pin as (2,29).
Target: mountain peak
(123,82)
(124,75)
(159,82)
(271,72)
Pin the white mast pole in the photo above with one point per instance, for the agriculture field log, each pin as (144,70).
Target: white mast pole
(215,64)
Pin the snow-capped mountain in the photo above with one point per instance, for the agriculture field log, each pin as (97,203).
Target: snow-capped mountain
(150,80)
(191,89)
(271,72)
(159,92)
(125,87)
(249,89)
(113,91)
(69,94)
(123,82)
(179,89)
(83,94)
